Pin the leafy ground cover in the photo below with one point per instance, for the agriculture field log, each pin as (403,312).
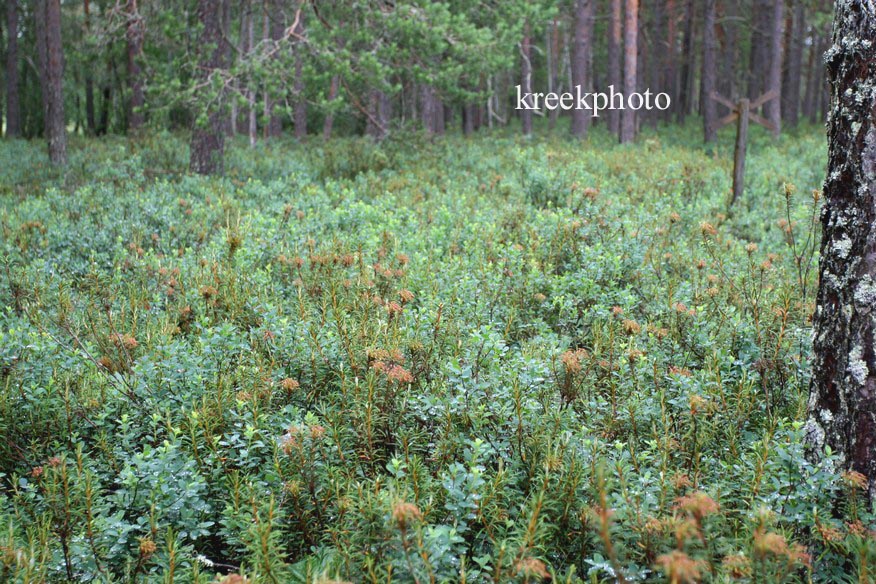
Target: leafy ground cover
(481,360)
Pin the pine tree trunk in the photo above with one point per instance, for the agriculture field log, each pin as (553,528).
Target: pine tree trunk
(52,64)
(685,96)
(773,108)
(631,38)
(13,104)
(135,34)
(727,84)
(615,78)
(794,70)
(526,78)
(208,139)
(427,108)
(552,52)
(812,68)
(710,70)
(842,401)
(468,119)
(248,35)
(757,70)
(90,120)
(329,121)
(581,74)
(300,116)
(377,124)
(274,30)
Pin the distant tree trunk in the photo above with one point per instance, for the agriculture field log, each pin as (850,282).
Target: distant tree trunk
(50,51)
(710,70)
(468,119)
(106,104)
(427,108)
(773,108)
(615,34)
(377,124)
(300,116)
(135,34)
(439,114)
(274,29)
(247,34)
(552,51)
(686,90)
(526,77)
(727,81)
(90,121)
(329,121)
(631,37)
(657,69)
(757,70)
(791,74)
(812,67)
(581,74)
(842,399)
(13,107)
(208,140)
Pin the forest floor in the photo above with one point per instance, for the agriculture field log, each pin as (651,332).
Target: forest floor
(489,356)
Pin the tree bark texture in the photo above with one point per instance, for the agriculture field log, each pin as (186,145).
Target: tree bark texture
(842,401)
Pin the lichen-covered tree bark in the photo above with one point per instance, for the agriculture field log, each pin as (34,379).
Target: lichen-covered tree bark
(842,403)
(208,137)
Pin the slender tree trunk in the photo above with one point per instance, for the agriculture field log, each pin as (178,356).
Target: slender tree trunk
(107,101)
(427,108)
(526,78)
(727,84)
(812,66)
(208,140)
(90,121)
(52,63)
(249,37)
(135,34)
(552,52)
(658,19)
(329,121)
(773,108)
(710,70)
(377,124)
(13,107)
(581,74)
(300,115)
(631,37)
(468,119)
(274,29)
(686,94)
(615,79)
(757,70)
(842,400)
(437,114)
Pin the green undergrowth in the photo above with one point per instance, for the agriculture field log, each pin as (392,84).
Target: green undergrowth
(483,360)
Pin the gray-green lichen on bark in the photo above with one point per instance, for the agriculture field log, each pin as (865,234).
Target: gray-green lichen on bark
(842,404)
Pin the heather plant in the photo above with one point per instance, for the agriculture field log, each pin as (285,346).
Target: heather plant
(474,361)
